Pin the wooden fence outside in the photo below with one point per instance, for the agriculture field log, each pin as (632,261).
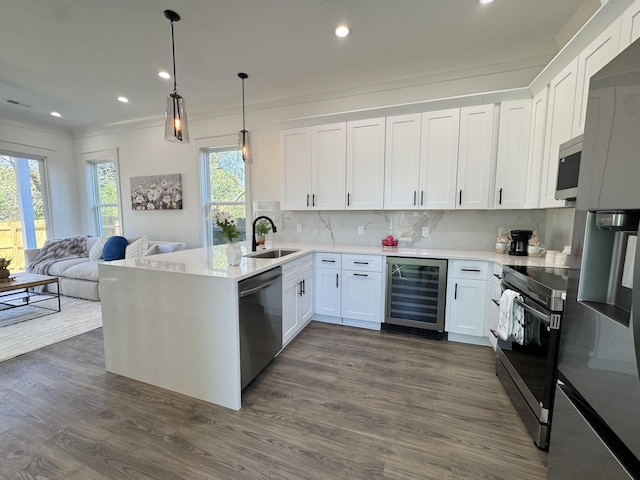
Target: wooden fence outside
(11,245)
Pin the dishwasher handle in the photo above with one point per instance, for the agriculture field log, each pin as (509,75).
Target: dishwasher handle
(251,291)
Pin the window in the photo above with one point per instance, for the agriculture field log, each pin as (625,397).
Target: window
(102,173)
(23,206)
(223,173)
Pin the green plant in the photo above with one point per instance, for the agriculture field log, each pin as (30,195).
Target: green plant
(4,263)
(262,227)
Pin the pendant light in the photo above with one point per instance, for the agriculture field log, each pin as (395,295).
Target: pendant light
(175,128)
(243,137)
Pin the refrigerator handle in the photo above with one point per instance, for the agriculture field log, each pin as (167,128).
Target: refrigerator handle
(635,303)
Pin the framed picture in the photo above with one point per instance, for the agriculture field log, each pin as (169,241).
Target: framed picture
(156,192)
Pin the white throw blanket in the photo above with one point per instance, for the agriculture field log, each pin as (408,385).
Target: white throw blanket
(511,320)
(56,249)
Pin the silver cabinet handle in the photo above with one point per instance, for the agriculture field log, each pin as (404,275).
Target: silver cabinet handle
(474,270)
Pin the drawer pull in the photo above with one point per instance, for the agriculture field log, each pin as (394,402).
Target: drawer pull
(360,263)
(360,275)
(337,278)
(324,260)
(495,301)
(499,277)
(475,270)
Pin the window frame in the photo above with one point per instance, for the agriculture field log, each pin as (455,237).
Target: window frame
(204,147)
(92,160)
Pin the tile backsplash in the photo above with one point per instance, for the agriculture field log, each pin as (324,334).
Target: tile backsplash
(447,229)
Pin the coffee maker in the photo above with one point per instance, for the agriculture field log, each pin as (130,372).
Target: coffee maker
(519,242)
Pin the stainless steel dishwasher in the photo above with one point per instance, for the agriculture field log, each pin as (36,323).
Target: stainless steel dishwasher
(260,314)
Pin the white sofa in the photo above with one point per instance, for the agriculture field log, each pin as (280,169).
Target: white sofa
(78,277)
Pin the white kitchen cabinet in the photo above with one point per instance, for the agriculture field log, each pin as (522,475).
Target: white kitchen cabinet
(630,25)
(314,167)
(365,164)
(513,154)
(494,307)
(467,301)
(349,289)
(295,151)
(439,159)
(536,148)
(402,162)
(475,157)
(559,124)
(297,296)
(602,50)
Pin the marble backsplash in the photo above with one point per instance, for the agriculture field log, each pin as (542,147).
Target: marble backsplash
(447,229)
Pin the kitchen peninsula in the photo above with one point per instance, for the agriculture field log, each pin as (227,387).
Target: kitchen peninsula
(172,320)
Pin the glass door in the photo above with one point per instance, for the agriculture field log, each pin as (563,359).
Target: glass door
(23,207)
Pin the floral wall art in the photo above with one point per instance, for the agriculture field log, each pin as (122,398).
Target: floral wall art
(156,192)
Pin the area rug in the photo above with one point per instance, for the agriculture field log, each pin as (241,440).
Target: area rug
(76,317)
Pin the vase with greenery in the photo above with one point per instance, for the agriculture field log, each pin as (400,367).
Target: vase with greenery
(4,269)
(229,225)
(262,228)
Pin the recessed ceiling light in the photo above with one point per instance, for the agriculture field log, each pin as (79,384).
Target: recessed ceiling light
(163,74)
(342,31)
(123,99)
(55,114)
(486,1)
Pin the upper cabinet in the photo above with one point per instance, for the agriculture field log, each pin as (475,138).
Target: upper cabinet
(314,167)
(475,157)
(630,25)
(602,50)
(536,148)
(562,90)
(513,154)
(365,164)
(439,159)
(402,162)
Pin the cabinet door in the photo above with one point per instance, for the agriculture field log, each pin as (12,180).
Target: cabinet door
(513,154)
(439,159)
(327,292)
(536,148)
(475,157)
(365,164)
(562,91)
(295,148)
(328,160)
(290,317)
(361,293)
(402,161)
(305,301)
(466,308)
(630,25)
(592,59)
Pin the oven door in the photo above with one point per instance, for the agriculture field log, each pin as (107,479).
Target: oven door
(531,367)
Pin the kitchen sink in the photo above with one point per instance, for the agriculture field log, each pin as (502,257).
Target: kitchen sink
(274,253)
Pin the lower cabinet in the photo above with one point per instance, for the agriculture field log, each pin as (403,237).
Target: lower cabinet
(297,296)
(467,301)
(349,289)
(494,307)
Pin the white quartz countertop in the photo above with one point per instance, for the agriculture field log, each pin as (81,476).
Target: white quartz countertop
(212,261)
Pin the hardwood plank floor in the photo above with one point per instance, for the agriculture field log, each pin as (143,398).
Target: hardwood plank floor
(338,403)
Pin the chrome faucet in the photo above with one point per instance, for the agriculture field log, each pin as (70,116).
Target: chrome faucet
(254,244)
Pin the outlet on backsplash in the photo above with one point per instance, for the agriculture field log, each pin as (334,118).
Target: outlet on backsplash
(360,229)
(298,228)
(425,231)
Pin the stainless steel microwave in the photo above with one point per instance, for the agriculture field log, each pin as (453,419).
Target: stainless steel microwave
(568,169)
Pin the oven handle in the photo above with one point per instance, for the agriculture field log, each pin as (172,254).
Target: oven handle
(551,320)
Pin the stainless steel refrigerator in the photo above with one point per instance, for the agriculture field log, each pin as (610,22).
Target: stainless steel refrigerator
(595,431)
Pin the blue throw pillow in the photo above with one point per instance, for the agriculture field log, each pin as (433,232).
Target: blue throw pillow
(114,248)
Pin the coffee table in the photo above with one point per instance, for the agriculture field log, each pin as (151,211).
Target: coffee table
(27,290)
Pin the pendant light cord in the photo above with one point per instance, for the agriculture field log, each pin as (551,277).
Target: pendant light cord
(173,54)
(243,125)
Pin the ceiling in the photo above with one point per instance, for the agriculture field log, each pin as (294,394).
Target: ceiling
(77,56)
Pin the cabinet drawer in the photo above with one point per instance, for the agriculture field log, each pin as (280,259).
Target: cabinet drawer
(328,260)
(497,271)
(296,267)
(471,269)
(367,263)
(496,293)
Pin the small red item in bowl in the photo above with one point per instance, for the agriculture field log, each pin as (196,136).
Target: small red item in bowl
(389,242)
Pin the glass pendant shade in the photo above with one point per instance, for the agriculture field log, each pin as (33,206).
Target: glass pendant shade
(176,128)
(245,145)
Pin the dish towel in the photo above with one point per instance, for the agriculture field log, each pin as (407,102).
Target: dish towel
(507,319)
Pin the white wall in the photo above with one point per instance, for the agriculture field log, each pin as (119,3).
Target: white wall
(56,145)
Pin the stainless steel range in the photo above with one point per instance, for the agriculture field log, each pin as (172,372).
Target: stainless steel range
(528,369)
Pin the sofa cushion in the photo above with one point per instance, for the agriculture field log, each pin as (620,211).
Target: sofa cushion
(59,268)
(114,248)
(164,248)
(84,271)
(95,252)
(137,248)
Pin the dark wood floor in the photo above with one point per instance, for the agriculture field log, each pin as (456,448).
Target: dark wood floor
(338,403)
